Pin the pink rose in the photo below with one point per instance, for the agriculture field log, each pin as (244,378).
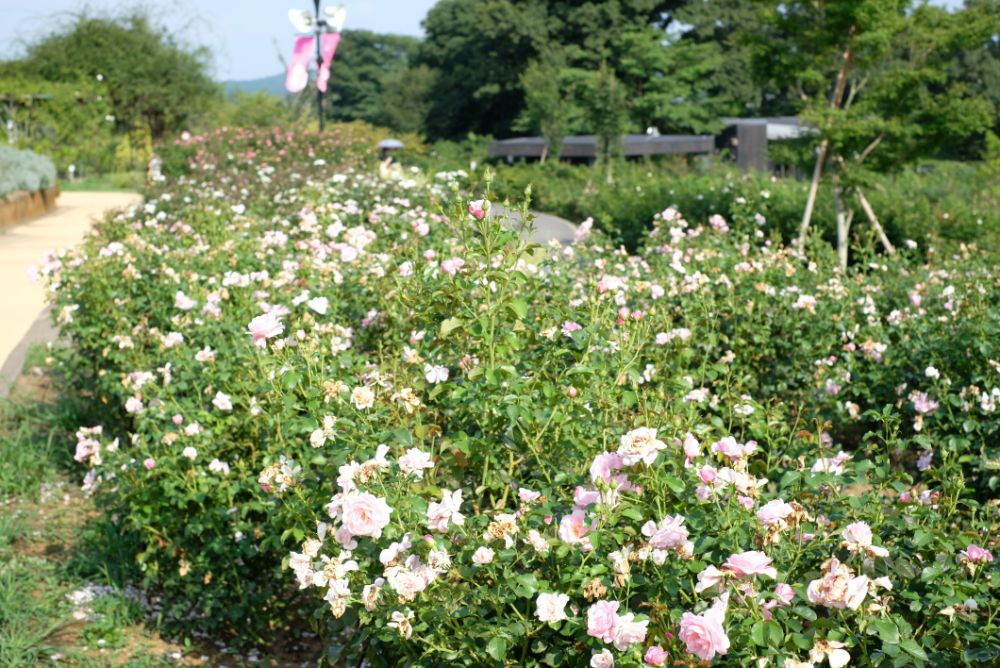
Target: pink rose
(707,474)
(478,208)
(774,512)
(748,564)
(363,514)
(858,534)
(628,632)
(784,592)
(583,497)
(671,532)
(264,327)
(452,266)
(149,463)
(601,619)
(604,465)
(703,634)
(573,529)
(655,656)
(976,554)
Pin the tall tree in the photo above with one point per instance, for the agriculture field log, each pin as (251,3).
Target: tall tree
(482,47)
(869,77)
(669,81)
(548,101)
(153,80)
(365,62)
(725,28)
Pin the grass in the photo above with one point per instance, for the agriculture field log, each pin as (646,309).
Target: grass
(114,182)
(65,598)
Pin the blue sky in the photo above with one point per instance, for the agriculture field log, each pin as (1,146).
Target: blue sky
(245,35)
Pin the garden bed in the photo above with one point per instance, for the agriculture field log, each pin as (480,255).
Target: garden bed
(332,397)
(22,206)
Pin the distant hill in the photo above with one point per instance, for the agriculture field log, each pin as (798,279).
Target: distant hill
(275,85)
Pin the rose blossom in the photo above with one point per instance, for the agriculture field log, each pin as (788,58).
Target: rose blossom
(551,607)
(573,529)
(601,619)
(774,512)
(708,578)
(482,556)
(750,563)
(976,554)
(363,514)
(858,536)
(669,534)
(478,208)
(222,401)
(703,635)
(603,659)
(655,656)
(629,632)
(839,587)
(640,445)
(264,327)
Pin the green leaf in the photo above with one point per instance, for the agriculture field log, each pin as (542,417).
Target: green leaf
(450,325)
(766,633)
(887,631)
(525,585)
(913,649)
(519,307)
(675,484)
(497,648)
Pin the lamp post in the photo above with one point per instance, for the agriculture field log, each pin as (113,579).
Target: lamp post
(325,27)
(320,23)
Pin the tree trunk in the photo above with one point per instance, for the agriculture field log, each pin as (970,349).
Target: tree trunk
(811,200)
(836,101)
(545,152)
(844,217)
(867,208)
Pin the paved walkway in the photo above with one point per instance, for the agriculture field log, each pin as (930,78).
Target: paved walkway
(547,226)
(23,312)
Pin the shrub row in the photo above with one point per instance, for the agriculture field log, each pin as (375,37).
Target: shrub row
(355,397)
(941,202)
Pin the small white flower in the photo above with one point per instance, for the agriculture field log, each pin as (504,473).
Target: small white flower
(222,401)
(435,374)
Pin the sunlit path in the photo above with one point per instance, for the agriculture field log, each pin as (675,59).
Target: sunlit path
(21,246)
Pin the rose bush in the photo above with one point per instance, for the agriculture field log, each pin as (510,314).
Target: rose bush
(355,395)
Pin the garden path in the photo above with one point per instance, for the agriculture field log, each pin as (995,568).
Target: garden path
(547,226)
(23,314)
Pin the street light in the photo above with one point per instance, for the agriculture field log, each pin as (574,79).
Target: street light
(325,27)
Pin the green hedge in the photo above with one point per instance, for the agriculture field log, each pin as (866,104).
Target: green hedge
(947,202)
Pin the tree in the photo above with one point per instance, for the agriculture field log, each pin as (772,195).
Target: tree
(152,78)
(365,64)
(871,80)
(481,49)
(726,28)
(548,101)
(606,104)
(668,81)
(405,100)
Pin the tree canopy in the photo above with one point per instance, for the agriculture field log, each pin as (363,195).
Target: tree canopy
(152,79)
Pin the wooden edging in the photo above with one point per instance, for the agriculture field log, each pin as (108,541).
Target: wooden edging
(23,205)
